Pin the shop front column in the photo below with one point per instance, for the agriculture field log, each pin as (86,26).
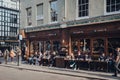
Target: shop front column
(91,46)
(27,48)
(106,46)
(70,46)
(65,39)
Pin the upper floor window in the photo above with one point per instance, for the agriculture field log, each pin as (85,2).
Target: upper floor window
(82,8)
(53,10)
(39,11)
(13,18)
(112,6)
(29,16)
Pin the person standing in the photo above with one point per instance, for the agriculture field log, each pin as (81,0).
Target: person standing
(116,61)
(6,55)
(18,52)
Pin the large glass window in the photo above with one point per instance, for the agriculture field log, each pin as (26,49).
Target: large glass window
(48,45)
(82,45)
(13,18)
(41,46)
(53,10)
(56,46)
(8,24)
(112,5)
(98,46)
(83,8)
(29,16)
(112,44)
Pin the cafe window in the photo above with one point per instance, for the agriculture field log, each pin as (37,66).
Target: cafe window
(112,44)
(85,45)
(48,45)
(98,46)
(41,46)
(56,46)
(82,45)
(75,46)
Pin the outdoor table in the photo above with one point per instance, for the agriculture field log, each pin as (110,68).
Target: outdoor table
(59,62)
(83,64)
(99,65)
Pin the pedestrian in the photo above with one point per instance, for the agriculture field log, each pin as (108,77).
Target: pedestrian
(6,55)
(1,54)
(18,52)
(116,61)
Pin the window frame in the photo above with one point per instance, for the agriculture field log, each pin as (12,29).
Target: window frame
(51,21)
(40,16)
(77,11)
(29,17)
(105,9)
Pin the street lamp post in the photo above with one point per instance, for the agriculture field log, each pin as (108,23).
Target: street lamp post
(19,37)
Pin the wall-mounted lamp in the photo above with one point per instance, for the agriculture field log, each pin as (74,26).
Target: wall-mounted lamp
(63,41)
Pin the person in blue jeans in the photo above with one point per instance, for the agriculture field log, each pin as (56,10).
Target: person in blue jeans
(116,61)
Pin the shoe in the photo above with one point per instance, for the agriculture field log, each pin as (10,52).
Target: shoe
(114,75)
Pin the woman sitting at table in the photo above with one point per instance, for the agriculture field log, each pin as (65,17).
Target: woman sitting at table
(72,62)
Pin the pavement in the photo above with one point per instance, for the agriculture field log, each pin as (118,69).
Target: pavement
(92,75)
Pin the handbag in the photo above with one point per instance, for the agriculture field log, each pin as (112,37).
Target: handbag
(12,54)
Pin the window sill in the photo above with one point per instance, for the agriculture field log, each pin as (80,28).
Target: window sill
(54,22)
(109,13)
(79,18)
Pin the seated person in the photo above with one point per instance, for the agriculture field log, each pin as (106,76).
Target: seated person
(46,58)
(40,56)
(63,52)
(80,56)
(72,62)
(47,55)
(102,57)
(52,58)
(87,57)
(110,59)
(30,59)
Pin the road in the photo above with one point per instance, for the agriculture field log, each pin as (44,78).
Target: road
(11,71)
(17,74)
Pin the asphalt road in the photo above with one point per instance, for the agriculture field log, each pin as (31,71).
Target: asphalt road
(17,74)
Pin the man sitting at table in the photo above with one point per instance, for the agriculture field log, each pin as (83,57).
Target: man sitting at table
(110,59)
(87,57)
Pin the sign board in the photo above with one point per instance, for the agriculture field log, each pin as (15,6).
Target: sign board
(20,37)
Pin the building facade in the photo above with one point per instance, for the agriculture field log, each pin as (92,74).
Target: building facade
(9,23)
(89,26)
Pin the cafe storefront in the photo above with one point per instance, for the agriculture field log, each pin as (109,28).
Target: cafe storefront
(92,39)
